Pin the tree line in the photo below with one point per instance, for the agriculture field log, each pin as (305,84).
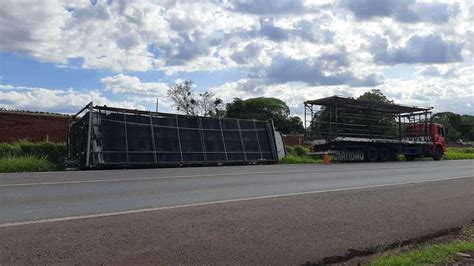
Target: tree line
(187,101)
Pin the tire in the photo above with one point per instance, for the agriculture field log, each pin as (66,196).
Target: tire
(409,157)
(371,154)
(438,153)
(384,154)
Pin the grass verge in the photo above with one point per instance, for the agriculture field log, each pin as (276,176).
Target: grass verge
(298,155)
(26,163)
(292,159)
(431,254)
(25,156)
(459,153)
(54,152)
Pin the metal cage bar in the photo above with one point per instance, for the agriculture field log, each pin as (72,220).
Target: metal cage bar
(223,140)
(335,120)
(126,137)
(123,138)
(258,140)
(242,140)
(201,135)
(153,139)
(179,139)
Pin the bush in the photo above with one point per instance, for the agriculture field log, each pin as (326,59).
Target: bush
(301,151)
(290,150)
(7,149)
(54,152)
(26,163)
(27,148)
(291,159)
(297,155)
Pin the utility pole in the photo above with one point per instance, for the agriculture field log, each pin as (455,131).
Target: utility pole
(157,105)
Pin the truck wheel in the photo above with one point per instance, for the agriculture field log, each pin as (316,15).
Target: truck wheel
(409,157)
(372,154)
(384,154)
(438,153)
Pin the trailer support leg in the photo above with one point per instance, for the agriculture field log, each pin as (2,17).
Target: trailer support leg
(89,135)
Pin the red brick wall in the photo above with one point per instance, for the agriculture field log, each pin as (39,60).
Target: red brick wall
(293,140)
(33,127)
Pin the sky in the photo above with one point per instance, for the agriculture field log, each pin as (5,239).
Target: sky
(58,55)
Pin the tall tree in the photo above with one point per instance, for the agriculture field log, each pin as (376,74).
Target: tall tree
(375,95)
(185,100)
(385,121)
(293,125)
(263,108)
(459,126)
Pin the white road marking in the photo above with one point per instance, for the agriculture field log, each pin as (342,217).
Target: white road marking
(98,215)
(206,175)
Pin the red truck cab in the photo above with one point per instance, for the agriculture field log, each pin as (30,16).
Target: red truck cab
(439,140)
(431,133)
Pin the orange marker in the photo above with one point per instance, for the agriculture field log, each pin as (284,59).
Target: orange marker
(326,158)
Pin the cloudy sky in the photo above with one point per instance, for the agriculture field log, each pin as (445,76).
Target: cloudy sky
(58,55)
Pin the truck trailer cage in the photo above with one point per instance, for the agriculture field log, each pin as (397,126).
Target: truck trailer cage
(348,118)
(101,136)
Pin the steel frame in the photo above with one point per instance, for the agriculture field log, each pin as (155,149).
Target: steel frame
(365,122)
(93,125)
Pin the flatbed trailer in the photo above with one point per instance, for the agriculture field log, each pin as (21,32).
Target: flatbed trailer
(357,130)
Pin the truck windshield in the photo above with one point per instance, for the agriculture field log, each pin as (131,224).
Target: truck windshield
(441,131)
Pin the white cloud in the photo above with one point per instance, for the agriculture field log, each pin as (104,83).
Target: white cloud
(33,28)
(54,100)
(407,11)
(438,71)
(106,36)
(176,36)
(272,7)
(455,95)
(291,49)
(130,85)
(418,49)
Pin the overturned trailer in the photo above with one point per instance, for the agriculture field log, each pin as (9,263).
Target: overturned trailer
(105,137)
(357,130)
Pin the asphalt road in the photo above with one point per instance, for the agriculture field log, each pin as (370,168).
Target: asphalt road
(249,214)
(26,197)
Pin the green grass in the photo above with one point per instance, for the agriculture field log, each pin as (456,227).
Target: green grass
(459,153)
(26,163)
(428,255)
(24,156)
(54,152)
(453,153)
(298,155)
(462,149)
(292,159)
